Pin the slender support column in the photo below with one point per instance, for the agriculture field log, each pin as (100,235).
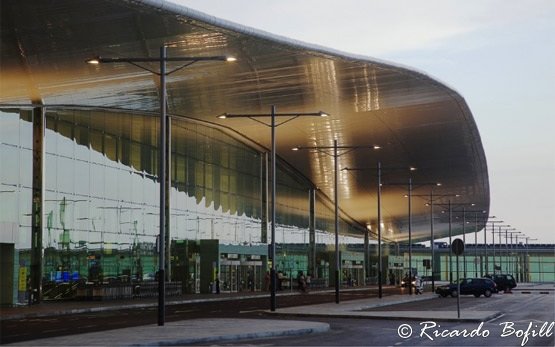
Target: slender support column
(432,240)
(476,244)
(312,232)
(526,262)
(162,180)
(168,265)
(464,240)
(264,189)
(517,258)
(458,289)
(507,249)
(335,193)
(410,235)
(512,256)
(380,291)
(37,205)
(273,213)
(493,243)
(486,262)
(366,254)
(450,251)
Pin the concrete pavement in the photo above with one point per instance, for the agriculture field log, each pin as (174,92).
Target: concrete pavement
(224,329)
(358,309)
(186,332)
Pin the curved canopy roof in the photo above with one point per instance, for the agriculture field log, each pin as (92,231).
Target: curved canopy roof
(417,120)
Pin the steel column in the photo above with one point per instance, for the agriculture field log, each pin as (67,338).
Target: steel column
(273,213)
(162,180)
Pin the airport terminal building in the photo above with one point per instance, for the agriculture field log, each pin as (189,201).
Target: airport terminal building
(80,154)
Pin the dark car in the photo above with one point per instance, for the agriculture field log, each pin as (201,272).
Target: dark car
(405,282)
(469,286)
(504,282)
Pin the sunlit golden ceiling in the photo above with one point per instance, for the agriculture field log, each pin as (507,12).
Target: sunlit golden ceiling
(416,120)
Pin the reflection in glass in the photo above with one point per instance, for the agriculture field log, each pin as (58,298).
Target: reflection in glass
(101,193)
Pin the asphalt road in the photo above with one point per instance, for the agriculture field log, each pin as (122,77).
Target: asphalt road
(17,330)
(523,315)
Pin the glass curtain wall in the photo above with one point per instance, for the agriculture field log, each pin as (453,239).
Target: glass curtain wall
(16,152)
(101,194)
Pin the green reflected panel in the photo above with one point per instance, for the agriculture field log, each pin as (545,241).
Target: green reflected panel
(16,143)
(102,194)
(97,207)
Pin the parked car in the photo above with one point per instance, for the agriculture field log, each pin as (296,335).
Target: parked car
(405,282)
(504,282)
(469,286)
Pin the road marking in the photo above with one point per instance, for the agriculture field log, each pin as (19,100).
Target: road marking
(495,318)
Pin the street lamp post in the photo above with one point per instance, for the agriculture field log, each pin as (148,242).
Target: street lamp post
(410,235)
(517,267)
(507,232)
(464,240)
(476,259)
(273,115)
(163,146)
(336,154)
(450,212)
(476,241)
(515,253)
(432,238)
(527,261)
(379,216)
(486,245)
(409,195)
(432,198)
(464,211)
(499,242)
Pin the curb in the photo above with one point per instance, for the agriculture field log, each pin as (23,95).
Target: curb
(236,337)
(136,337)
(403,318)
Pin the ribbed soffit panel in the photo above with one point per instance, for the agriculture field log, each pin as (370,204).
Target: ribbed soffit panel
(417,120)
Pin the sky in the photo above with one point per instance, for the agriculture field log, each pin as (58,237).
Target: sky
(498,54)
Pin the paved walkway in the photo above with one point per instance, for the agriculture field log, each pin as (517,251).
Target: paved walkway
(59,308)
(224,329)
(186,332)
(357,309)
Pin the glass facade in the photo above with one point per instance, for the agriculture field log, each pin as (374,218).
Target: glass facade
(101,193)
(101,203)
(525,266)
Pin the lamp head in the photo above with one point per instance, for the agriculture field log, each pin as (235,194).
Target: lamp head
(94,61)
